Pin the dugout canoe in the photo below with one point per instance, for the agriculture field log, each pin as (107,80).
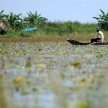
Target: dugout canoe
(75,42)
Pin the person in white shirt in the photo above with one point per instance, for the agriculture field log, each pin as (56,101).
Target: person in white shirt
(100,37)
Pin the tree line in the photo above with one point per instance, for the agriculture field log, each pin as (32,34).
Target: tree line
(16,21)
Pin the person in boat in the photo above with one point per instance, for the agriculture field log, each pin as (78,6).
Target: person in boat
(99,38)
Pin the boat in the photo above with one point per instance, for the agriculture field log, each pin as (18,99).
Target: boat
(75,42)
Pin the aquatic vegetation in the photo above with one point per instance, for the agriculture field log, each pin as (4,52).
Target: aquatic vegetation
(41,65)
(29,57)
(19,80)
(83,105)
(75,65)
(54,74)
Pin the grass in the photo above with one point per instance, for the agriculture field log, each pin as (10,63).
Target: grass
(55,31)
(58,28)
(48,38)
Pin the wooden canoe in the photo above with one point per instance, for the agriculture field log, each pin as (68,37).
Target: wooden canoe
(74,42)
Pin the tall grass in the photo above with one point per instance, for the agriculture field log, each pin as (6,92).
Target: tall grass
(69,29)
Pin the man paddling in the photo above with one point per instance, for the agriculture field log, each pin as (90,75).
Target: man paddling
(100,37)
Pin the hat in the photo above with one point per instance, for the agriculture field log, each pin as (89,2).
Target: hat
(97,28)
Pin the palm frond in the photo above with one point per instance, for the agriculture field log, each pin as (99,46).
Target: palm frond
(102,12)
(96,18)
(1,11)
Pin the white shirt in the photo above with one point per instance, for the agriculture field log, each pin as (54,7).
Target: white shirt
(100,35)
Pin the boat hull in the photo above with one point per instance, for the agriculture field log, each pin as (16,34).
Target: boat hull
(74,42)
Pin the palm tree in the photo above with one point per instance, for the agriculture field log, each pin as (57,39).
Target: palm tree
(102,20)
(14,20)
(2,16)
(34,18)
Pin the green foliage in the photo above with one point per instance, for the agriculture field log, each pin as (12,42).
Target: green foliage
(45,27)
(24,34)
(66,28)
(83,105)
(17,23)
(2,16)
(34,18)
(57,28)
(102,20)
(14,20)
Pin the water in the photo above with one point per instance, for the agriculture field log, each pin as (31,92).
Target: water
(60,75)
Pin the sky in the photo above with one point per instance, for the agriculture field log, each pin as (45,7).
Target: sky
(57,10)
